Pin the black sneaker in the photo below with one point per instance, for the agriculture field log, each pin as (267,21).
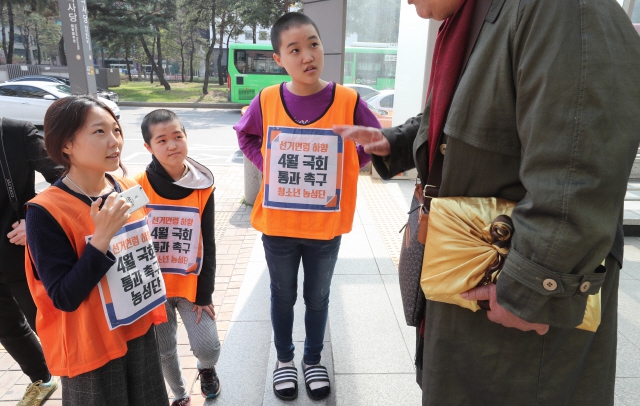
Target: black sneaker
(182,402)
(209,382)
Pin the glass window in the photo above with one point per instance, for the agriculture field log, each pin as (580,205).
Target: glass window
(64,89)
(347,67)
(31,92)
(635,16)
(11,91)
(371,66)
(254,61)
(387,101)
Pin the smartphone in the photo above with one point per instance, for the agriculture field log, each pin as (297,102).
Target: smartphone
(136,197)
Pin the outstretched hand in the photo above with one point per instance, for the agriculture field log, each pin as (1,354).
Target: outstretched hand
(370,138)
(499,314)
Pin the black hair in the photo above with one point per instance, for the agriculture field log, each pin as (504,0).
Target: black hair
(289,20)
(157,117)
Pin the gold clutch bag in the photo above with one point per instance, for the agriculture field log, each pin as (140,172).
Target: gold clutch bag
(465,248)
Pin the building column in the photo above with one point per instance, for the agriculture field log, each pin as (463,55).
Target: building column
(416,41)
(330,17)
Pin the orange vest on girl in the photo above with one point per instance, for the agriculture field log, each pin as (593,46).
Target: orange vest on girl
(301,195)
(80,341)
(177,237)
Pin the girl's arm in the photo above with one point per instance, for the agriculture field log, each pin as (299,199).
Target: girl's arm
(249,132)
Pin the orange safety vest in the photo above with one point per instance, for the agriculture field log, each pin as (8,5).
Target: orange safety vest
(309,224)
(80,341)
(178,283)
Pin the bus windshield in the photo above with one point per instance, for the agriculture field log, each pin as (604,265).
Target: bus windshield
(257,61)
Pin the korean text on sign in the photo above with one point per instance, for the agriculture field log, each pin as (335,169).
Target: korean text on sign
(133,286)
(303,169)
(175,231)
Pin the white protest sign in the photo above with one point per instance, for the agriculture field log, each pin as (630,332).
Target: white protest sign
(176,238)
(303,169)
(133,286)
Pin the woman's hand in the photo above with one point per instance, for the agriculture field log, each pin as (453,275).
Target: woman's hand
(207,309)
(370,138)
(108,220)
(18,235)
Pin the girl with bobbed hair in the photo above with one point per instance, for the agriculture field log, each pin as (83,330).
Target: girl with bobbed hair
(74,233)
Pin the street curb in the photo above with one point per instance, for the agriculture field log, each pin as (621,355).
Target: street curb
(227,106)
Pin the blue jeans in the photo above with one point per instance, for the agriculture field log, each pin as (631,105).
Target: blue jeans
(319,258)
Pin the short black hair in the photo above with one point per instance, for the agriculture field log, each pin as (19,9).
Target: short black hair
(289,20)
(156,117)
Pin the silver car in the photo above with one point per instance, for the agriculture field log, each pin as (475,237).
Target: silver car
(29,101)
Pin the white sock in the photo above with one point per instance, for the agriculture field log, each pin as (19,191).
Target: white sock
(47,384)
(316,385)
(285,385)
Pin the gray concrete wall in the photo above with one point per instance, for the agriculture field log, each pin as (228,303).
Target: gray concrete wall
(330,17)
(107,77)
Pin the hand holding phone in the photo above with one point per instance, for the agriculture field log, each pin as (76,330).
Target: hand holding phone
(136,197)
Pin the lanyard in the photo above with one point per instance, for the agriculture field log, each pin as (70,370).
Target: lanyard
(8,182)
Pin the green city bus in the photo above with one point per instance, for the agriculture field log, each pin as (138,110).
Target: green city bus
(371,64)
(251,68)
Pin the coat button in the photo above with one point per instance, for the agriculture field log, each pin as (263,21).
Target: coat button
(549,284)
(585,286)
(443,148)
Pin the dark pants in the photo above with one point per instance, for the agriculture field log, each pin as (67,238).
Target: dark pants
(318,261)
(134,379)
(15,334)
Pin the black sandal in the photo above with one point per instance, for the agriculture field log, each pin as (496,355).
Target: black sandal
(284,375)
(316,373)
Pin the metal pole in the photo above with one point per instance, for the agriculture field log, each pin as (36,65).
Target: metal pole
(77,43)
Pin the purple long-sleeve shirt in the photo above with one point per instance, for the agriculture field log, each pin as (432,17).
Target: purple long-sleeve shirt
(303,109)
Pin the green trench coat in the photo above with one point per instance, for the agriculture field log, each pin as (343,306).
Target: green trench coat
(547,114)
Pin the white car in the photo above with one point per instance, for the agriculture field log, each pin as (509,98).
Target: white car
(29,101)
(363,90)
(382,100)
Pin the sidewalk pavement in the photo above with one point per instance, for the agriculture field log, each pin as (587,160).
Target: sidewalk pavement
(369,350)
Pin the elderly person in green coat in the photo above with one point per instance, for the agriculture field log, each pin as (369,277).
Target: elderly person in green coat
(538,102)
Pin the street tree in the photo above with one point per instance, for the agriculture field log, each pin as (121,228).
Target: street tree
(145,20)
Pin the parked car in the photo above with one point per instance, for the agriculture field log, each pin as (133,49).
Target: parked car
(382,101)
(384,117)
(29,101)
(104,93)
(363,90)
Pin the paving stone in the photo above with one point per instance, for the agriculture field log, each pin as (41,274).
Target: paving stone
(628,359)
(9,378)
(629,309)
(628,391)
(362,317)
(377,389)
(241,369)
(392,286)
(252,303)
